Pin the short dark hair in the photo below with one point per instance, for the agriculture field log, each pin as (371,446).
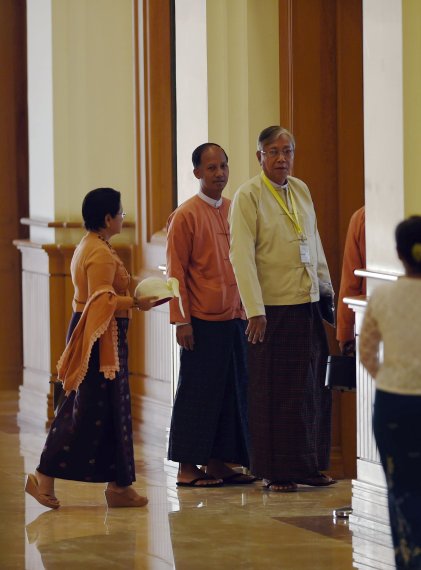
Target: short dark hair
(196,156)
(408,241)
(97,204)
(271,134)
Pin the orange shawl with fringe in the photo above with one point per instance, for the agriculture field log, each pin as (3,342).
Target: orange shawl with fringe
(97,322)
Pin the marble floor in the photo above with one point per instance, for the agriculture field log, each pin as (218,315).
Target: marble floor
(189,529)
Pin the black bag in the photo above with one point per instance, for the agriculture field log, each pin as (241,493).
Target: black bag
(59,396)
(341,373)
(327,309)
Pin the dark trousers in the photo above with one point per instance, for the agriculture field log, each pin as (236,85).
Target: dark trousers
(397,429)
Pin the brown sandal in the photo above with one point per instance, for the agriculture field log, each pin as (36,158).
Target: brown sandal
(125,499)
(288,486)
(32,488)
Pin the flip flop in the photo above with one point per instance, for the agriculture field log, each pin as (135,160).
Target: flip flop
(289,486)
(238,479)
(319,480)
(193,482)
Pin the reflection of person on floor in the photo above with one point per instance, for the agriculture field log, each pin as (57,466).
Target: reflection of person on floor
(90,537)
(209,420)
(281,269)
(351,285)
(392,322)
(91,437)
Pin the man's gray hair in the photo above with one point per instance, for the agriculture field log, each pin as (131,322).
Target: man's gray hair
(271,134)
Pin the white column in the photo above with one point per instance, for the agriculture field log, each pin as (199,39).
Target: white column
(384,198)
(243,79)
(383,130)
(191,89)
(40,114)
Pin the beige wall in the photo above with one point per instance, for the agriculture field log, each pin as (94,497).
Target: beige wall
(81,105)
(411,25)
(227,65)
(243,79)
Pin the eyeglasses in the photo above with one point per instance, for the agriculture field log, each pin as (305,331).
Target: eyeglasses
(275,152)
(122,214)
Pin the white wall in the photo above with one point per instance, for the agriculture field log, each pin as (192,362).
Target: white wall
(40,109)
(191,89)
(383,130)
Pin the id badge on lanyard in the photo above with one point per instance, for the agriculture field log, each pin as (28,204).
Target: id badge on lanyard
(304,251)
(293,216)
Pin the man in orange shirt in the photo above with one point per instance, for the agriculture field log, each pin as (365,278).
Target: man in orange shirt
(209,420)
(351,285)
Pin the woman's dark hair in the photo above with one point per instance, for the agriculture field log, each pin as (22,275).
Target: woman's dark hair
(408,241)
(196,156)
(97,204)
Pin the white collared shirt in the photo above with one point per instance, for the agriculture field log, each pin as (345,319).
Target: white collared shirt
(210,201)
(283,191)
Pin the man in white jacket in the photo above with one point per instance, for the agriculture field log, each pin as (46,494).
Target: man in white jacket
(281,270)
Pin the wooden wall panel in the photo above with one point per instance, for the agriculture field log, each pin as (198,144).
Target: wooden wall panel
(321,102)
(151,361)
(13,182)
(159,113)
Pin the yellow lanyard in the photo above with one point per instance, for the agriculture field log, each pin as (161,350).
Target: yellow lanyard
(292,216)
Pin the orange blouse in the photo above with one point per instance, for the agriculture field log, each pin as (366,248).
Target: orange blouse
(101,293)
(96,266)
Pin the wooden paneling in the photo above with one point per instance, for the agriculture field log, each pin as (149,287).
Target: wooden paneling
(286,88)
(350,139)
(321,102)
(159,112)
(13,182)
(151,361)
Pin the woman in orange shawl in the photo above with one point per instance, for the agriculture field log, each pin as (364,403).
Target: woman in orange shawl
(91,437)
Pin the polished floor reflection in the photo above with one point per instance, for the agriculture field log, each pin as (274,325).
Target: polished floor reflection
(189,529)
